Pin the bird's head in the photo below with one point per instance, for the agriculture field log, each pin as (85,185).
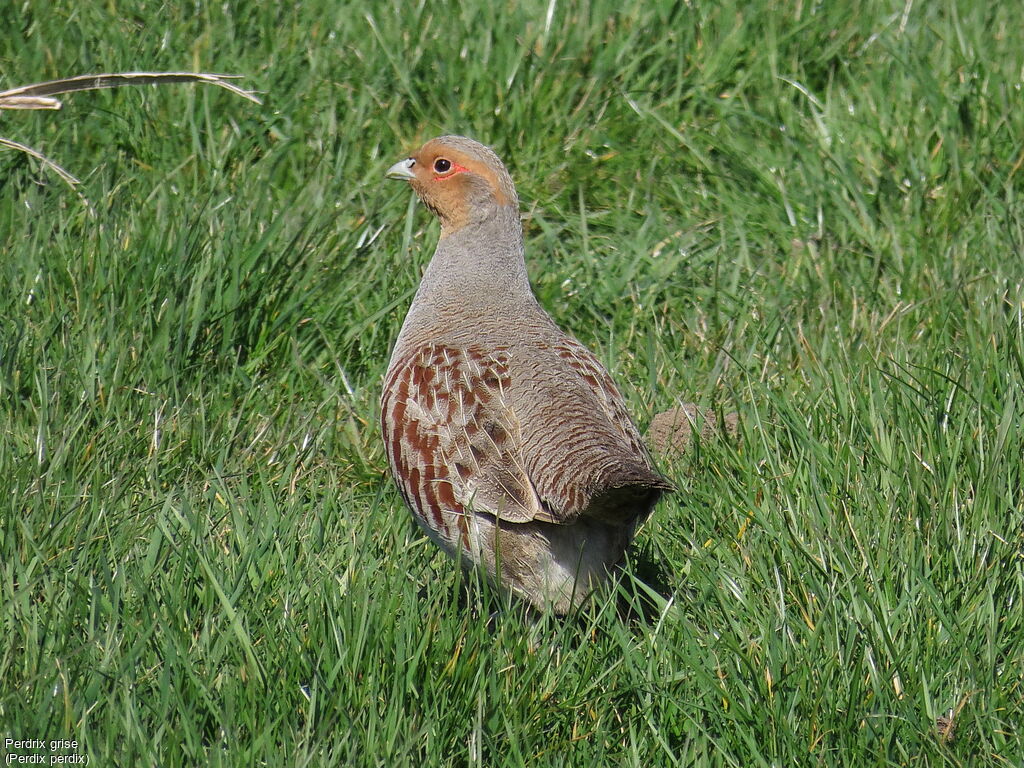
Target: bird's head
(460,180)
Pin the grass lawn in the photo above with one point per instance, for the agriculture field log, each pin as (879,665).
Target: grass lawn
(809,213)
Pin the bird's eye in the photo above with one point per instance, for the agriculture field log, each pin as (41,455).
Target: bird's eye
(442,165)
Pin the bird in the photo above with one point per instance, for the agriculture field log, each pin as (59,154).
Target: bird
(507,438)
(670,432)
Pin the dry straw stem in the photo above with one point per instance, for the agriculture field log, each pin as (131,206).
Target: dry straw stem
(63,173)
(41,96)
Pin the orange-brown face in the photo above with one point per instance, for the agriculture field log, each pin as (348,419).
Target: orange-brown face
(458,179)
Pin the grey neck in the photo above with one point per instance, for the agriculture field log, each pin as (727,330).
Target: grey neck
(474,285)
(480,265)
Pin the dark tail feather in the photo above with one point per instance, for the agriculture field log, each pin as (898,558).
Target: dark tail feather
(629,494)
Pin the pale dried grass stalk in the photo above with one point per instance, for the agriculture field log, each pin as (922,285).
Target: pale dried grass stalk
(41,96)
(38,95)
(62,172)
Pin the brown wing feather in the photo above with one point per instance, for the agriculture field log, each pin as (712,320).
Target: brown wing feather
(453,444)
(608,474)
(589,368)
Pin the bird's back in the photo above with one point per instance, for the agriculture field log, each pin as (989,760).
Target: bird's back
(565,423)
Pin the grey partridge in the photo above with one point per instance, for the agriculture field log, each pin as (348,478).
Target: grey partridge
(507,438)
(671,432)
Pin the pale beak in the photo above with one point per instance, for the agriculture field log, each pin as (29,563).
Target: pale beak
(402,170)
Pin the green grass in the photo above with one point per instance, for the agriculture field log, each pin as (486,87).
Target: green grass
(810,214)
